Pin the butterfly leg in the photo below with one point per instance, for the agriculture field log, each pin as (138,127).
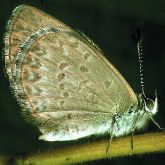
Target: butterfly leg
(111,137)
(133,130)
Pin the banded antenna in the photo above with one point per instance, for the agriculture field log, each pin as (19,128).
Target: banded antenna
(140,55)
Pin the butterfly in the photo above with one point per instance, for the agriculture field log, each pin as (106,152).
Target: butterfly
(64,83)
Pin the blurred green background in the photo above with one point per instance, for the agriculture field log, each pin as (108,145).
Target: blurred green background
(110,23)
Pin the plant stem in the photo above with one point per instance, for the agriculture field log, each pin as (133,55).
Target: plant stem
(145,143)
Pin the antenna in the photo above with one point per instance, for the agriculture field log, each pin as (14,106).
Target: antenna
(139,41)
(140,55)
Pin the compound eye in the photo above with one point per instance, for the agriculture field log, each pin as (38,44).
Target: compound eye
(149,103)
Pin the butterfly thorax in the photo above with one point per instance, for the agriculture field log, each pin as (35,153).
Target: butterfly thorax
(136,118)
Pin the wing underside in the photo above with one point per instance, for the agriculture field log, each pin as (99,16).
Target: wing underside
(59,77)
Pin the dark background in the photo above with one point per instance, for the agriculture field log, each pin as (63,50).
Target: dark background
(110,23)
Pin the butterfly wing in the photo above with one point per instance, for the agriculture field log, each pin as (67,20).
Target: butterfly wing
(20,26)
(61,79)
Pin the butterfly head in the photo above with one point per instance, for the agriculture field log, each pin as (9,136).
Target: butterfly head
(148,105)
(151,106)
